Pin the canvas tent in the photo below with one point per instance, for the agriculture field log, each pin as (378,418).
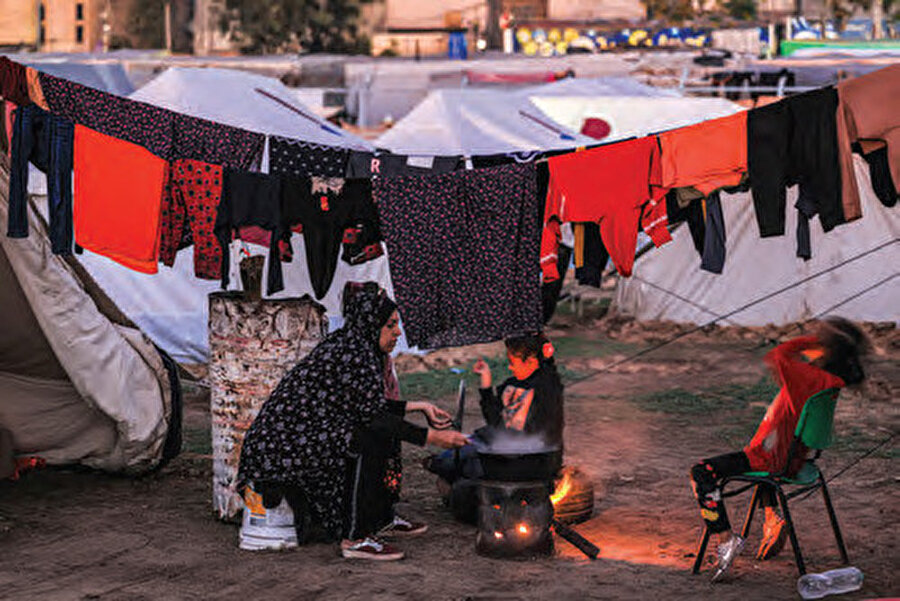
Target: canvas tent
(171,305)
(756,267)
(78,383)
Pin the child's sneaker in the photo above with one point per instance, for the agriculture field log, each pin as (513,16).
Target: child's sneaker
(403,527)
(370,548)
(774,537)
(727,551)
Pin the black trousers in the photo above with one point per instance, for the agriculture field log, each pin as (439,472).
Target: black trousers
(706,479)
(369,502)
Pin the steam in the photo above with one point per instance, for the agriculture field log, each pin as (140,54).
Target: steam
(512,442)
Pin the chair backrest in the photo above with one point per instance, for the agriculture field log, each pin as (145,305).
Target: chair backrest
(815,429)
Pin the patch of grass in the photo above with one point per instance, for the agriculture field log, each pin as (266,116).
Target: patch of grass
(731,396)
(590,309)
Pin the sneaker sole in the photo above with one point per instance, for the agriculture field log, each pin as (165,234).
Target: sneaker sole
(404,533)
(352,554)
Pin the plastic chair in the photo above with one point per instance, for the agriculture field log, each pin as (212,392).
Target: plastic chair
(815,431)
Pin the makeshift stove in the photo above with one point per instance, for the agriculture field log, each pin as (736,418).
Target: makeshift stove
(516,503)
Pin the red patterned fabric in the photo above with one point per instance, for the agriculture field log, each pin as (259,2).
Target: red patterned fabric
(190,205)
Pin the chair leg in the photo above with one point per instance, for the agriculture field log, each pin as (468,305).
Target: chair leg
(747,520)
(798,556)
(834,522)
(701,551)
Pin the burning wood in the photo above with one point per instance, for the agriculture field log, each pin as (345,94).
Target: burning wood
(562,488)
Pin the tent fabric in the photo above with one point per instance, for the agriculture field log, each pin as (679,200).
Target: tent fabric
(74,386)
(477,121)
(229,96)
(633,116)
(757,267)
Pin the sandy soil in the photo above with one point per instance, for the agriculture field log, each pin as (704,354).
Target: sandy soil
(77,535)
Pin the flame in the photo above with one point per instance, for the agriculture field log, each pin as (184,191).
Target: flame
(498,535)
(523,529)
(562,489)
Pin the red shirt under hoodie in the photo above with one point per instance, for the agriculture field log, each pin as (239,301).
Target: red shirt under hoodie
(768,450)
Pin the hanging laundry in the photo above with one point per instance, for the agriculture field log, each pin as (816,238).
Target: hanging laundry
(188,216)
(591,255)
(13,82)
(35,93)
(46,141)
(706,222)
(550,291)
(301,159)
(385,164)
(507,158)
(129,120)
(251,199)
(880,174)
(117,199)
(325,207)
(362,241)
(706,156)
(610,185)
(463,252)
(217,143)
(795,142)
(867,111)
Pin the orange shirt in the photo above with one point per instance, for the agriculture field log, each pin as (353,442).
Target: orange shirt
(768,450)
(707,156)
(117,199)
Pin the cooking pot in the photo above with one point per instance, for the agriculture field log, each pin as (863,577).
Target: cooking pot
(520,467)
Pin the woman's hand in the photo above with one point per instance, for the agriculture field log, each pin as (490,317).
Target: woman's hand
(437,417)
(481,368)
(446,439)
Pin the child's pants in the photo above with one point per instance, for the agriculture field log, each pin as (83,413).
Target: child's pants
(706,479)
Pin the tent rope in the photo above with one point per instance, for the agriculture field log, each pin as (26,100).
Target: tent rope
(743,307)
(852,463)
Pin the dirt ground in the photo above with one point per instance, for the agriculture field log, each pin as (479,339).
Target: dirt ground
(635,429)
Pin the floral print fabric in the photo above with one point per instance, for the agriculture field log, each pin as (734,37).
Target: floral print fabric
(302,434)
(212,142)
(463,250)
(301,159)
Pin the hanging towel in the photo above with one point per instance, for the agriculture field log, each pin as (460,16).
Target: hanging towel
(117,200)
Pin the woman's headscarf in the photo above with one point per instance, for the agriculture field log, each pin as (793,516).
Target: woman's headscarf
(302,434)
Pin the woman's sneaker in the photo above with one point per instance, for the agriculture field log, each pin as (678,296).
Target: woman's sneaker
(403,527)
(370,548)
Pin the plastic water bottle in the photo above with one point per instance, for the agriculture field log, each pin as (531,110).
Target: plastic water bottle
(832,582)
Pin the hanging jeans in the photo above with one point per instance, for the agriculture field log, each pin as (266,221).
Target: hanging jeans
(46,141)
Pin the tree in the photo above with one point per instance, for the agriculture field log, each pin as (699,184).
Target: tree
(741,9)
(673,11)
(146,24)
(267,26)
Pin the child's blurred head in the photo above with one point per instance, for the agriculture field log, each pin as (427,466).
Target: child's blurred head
(843,345)
(526,353)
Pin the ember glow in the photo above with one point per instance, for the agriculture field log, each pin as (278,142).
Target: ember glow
(523,529)
(562,489)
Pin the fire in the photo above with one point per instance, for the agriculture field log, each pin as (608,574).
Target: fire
(562,489)
(523,529)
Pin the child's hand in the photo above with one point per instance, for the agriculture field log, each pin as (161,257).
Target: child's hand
(481,368)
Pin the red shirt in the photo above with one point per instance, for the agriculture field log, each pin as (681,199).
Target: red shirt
(609,185)
(768,450)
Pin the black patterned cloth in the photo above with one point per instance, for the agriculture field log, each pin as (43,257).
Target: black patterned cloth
(130,120)
(301,159)
(302,435)
(464,253)
(217,143)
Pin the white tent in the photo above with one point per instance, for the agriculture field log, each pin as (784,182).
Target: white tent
(756,267)
(632,115)
(171,306)
(78,383)
(477,121)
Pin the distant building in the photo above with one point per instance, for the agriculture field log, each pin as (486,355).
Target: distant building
(51,25)
(19,23)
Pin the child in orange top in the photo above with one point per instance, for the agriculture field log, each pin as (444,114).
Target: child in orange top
(803,367)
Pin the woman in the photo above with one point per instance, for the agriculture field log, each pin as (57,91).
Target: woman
(324,438)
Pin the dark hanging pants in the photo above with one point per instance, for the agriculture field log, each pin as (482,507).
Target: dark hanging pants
(46,141)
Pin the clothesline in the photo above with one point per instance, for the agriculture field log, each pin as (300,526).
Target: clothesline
(474,240)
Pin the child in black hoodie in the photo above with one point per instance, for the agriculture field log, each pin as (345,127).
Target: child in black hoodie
(530,402)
